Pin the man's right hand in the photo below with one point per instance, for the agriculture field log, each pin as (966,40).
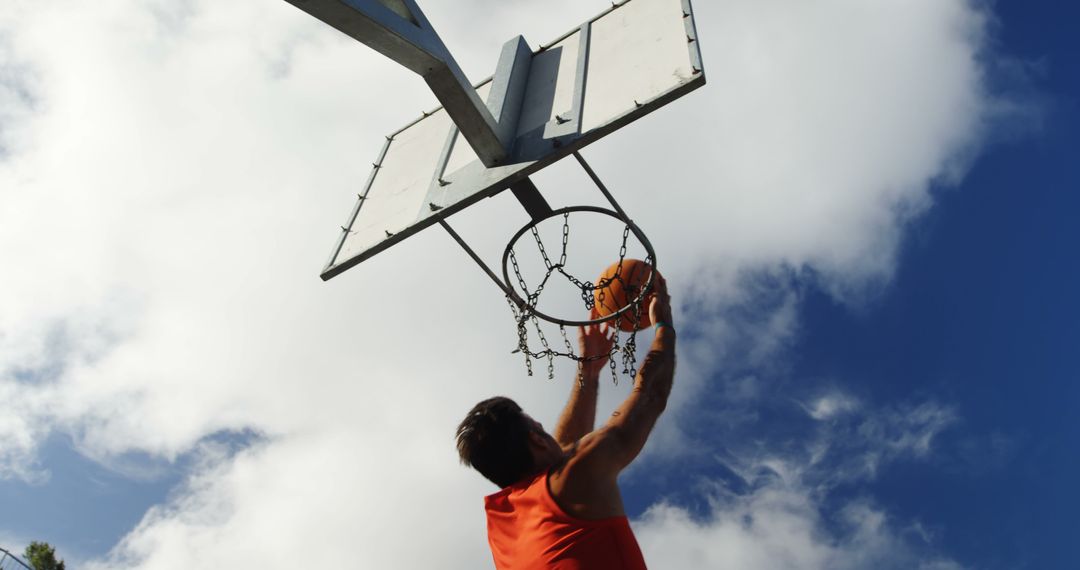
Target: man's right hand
(587,483)
(660,303)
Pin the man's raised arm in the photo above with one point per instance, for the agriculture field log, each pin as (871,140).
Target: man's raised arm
(621,439)
(579,416)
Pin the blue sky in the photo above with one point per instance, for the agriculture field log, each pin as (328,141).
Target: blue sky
(983,315)
(940,395)
(984,312)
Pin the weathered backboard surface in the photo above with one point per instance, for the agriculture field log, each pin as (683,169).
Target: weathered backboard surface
(627,62)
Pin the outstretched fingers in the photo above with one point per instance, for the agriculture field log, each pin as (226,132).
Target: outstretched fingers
(595,340)
(660,304)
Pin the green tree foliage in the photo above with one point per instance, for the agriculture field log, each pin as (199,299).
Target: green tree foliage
(41,556)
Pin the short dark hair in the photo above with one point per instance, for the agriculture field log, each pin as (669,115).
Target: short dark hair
(494,439)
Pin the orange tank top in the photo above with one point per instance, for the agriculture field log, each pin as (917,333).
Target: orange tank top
(527,530)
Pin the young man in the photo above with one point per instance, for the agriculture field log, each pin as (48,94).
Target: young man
(560,506)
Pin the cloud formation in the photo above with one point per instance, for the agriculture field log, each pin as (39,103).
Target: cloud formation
(780,527)
(784,498)
(171,179)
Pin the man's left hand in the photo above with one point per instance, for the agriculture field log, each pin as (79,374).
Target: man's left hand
(594,340)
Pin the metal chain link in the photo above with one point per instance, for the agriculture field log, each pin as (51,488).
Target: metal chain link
(540,246)
(565,238)
(591,294)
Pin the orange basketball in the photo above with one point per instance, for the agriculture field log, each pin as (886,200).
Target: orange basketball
(615,292)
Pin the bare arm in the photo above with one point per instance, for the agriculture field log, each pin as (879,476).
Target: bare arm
(615,445)
(587,485)
(630,425)
(579,416)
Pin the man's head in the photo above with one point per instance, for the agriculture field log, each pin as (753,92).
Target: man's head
(503,443)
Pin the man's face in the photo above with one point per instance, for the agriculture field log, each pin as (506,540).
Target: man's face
(545,449)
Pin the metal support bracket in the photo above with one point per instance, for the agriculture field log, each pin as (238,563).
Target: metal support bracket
(498,282)
(534,203)
(539,210)
(399,30)
(603,189)
(508,88)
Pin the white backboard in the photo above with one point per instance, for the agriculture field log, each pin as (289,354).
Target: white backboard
(623,64)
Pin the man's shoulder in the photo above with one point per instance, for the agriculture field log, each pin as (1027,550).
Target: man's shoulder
(579,452)
(595,451)
(585,485)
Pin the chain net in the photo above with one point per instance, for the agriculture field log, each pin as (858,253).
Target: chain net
(624,345)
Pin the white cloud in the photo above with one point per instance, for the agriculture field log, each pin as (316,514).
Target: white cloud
(856,446)
(174,180)
(303,501)
(779,508)
(830,406)
(22,432)
(779,527)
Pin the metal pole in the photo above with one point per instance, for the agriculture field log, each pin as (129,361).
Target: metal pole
(475,257)
(9,556)
(600,185)
(531,199)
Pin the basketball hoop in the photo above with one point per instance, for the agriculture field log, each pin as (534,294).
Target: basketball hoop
(527,316)
(524,299)
(588,289)
(540,106)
